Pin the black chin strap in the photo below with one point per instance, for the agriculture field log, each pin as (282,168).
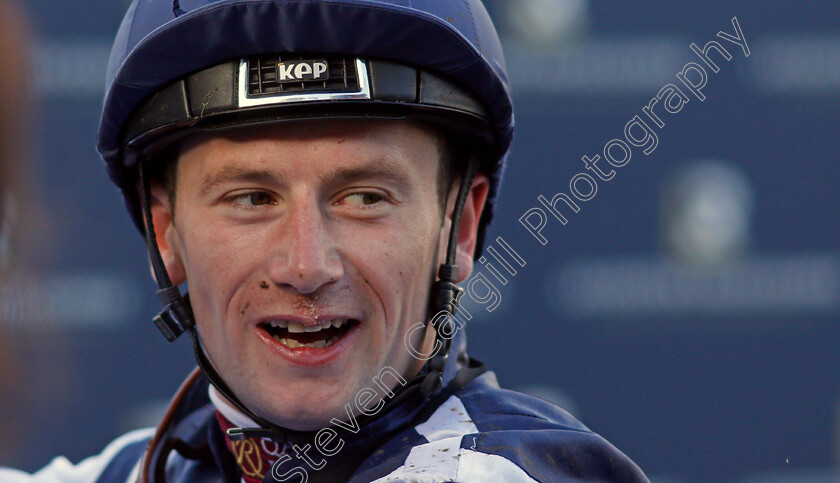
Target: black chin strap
(444,296)
(177,317)
(216,380)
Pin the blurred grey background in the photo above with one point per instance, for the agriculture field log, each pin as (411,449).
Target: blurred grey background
(689,312)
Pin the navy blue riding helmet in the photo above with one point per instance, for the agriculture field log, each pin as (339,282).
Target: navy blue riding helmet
(429,59)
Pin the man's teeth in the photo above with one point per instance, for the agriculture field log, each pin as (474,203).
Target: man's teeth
(298,328)
(291,343)
(318,344)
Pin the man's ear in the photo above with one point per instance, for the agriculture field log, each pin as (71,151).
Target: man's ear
(468,229)
(168,241)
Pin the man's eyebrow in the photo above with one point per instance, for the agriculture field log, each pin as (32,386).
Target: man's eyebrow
(236,173)
(380,168)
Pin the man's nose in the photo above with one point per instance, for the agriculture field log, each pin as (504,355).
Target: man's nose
(306,257)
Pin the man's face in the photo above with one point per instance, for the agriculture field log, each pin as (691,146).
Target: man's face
(299,227)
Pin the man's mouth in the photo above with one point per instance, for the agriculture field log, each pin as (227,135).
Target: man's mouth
(293,334)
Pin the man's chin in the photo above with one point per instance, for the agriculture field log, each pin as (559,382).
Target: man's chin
(308,421)
(309,411)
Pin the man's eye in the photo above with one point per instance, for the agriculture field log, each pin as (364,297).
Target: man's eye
(255,198)
(363,199)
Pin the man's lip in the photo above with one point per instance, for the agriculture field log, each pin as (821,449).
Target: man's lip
(306,321)
(307,356)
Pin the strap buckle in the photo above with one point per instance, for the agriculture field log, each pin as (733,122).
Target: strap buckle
(169,324)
